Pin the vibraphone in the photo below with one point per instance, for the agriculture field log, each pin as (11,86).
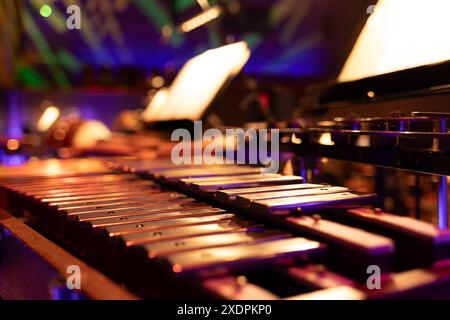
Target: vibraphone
(231,232)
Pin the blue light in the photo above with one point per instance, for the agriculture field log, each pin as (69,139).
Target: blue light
(12,160)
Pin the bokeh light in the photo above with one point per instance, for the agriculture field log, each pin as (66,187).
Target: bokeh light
(45,10)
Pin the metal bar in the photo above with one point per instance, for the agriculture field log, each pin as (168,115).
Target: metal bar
(443,202)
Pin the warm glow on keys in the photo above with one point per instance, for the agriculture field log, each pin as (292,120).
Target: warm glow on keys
(12,144)
(89,133)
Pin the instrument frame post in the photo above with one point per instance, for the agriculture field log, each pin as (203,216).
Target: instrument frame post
(443,202)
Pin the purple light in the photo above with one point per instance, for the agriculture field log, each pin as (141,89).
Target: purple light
(12,160)
(14,122)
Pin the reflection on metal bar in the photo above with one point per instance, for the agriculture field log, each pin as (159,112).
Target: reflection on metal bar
(443,203)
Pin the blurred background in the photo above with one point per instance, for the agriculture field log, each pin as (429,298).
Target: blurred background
(125,48)
(110,68)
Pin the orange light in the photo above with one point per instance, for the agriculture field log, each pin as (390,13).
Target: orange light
(177,268)
(13,144)
(157,82)
(241,280)
(295,139)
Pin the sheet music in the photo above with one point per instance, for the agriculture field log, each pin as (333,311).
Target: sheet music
(400,34)
(197,84)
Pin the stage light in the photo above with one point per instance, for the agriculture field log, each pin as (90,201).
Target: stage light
(203,3)
(167,31)
(201,19)
(48,118)
(325,139)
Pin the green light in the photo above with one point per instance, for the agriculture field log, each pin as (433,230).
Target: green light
(45,10)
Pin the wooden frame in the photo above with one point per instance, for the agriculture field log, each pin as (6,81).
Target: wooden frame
(33,267)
